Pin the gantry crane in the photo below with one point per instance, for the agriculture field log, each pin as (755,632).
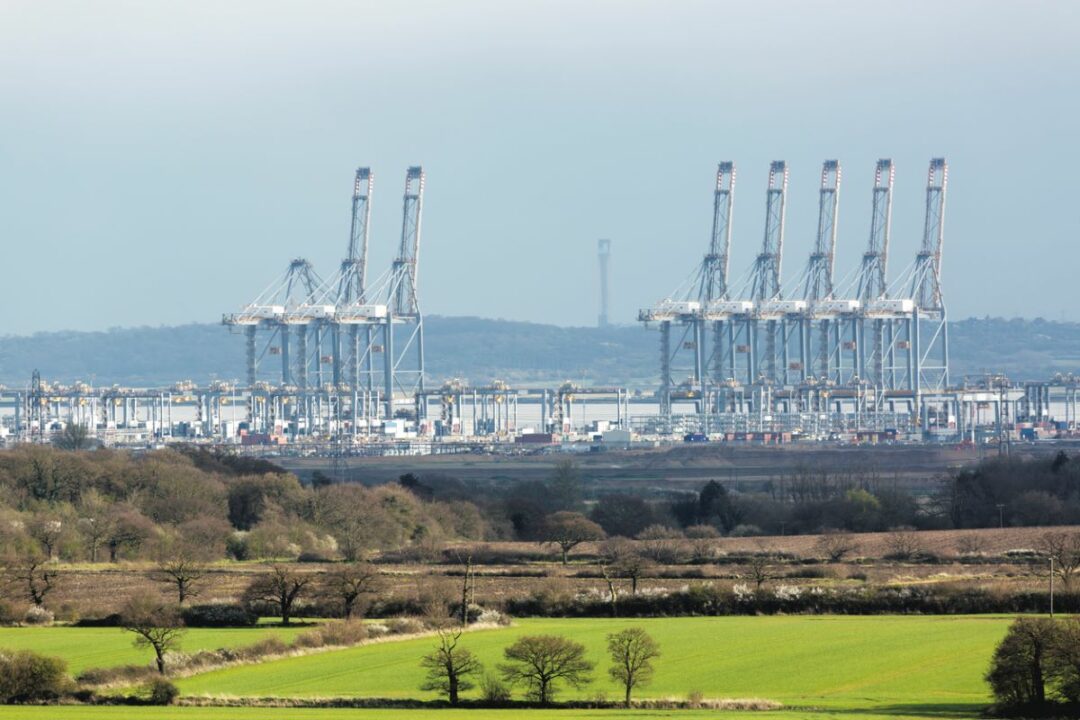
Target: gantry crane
(403,304)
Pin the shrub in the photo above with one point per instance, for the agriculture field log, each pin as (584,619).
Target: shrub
(903,543)
(237,546)
(161,692)
(120,674)
(493,690)
(970,544)
(263,648)
(404,626)
(809,573)
(746,531)
(111,620)
(37,615)
(339,633)
(489,616)
(67,612)
(27,676)
(9,613)
(219,615)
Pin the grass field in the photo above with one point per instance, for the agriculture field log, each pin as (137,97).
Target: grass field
(180,713)
(843,663)
(862,668)
(108,647)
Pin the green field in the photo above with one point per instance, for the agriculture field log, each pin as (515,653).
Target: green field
(175,713)
(108,647)
(821,667)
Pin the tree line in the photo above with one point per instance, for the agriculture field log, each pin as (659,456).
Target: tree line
(102,505)
(539,664)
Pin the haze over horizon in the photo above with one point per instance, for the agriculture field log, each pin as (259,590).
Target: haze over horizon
(161,164)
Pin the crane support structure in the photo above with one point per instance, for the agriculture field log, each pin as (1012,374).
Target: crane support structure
(766,289)
(864,349)
(403,301)
(818,285)
(930,335)
(872,283)
(352,290)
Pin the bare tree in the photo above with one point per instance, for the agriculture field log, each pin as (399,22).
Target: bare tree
(467,588)
(449,667)
(349,583)
(836,544)
(156,625)
(660,543)
(625,561)
(702,541)
(36,577)
(970,544)
(95,521)
(903,543)
(760,569)
(279,587)
(613,594)
(540,661)
(1063,548)
(568,530)
(632,651)
(183,573)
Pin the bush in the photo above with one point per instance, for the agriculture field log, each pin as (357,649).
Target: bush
(161,692)
(404,626)
(118,674)
(237,546)
(37,615)
(260,649)
(26,676)
(112,620)
(219,615)
(340,633)
(9,613)
(715,599)
(493,690)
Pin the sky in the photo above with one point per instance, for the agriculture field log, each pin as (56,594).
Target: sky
(162,162)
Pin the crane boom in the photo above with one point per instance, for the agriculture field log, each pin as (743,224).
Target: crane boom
(354,267)
(766,282)
(714,269)
(872,273)
(819,273)
(926,287)
(405,266)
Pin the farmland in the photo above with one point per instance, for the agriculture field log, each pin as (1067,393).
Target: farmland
(86,647)
(856,666)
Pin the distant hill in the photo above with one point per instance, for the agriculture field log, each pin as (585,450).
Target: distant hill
(478,350)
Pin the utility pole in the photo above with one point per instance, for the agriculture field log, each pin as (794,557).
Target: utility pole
(1001,515)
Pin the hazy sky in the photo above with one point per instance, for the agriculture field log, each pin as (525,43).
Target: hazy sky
(161,162)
